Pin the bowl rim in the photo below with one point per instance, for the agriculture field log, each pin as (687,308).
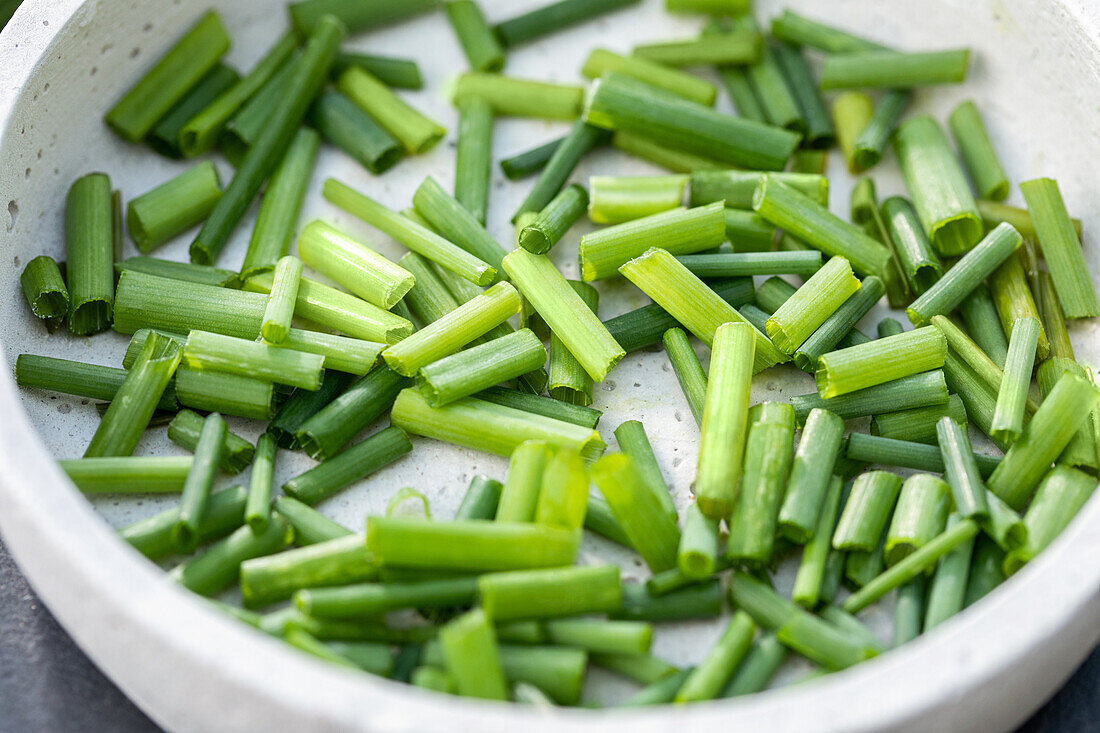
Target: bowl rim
(80,568)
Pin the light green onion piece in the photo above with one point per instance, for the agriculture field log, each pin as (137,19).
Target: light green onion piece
(646,522)
(616,199)
(978,152)
(880,361)
(569,382)
(894,70)
(736,187)
(45,290)
(215,352)
(542,232)
(352,264)
(812,304)
(470,650)
(514,97)
(811,470)
(600,61)
(467,372)
(732,48)
(412,129)
(1008,419)
(852,114)
(1060,496)
(550,593)
(689,372)
(280,301)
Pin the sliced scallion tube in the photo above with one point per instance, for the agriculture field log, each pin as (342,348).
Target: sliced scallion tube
(215,352)
(173,207)
(1013,299)
(45,290)
(89,252)
(481,499)
(689,372)
(767,465)
(166,136)
(918,261)
(813,303)
(852,113)
(978,152)
(581,138)
(651,529)
(838,331)
(514,97)
(1008,419)
(1060,496)
(550,593)
(473,156)
(736,187)
(880,361)
(600,61)
(479,44)
(344,124)
(893,69)
(413,130)
(709,679)
(454,222)
(569,382)
(152,536)
(811,571)
(209,453)
(477,368)
(733,47)
(350,465)
(811,470)
(553,17)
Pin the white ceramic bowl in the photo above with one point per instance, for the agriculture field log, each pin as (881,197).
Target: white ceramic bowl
(1036,77)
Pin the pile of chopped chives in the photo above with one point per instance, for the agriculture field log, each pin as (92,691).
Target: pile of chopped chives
(497,606)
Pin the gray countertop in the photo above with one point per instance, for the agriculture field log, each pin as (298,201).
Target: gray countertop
(48,684)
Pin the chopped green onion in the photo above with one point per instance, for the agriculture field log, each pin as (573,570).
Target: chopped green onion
(128,474)
(916,391)
(45,290)
(219,567)
(184,431)
(167,136)
(77,378)
(303,404)
(689,372)
(393,72)
(838,330)
(281,204)
(520,495)
(553,17)
(173,207)
(869,145)
(187,62)
(344,124)
(569,382)
(637,509)
(937,187)
(209,453)
(894,70)
(470,371)
(674,160)
(327,431)
(201,274)
(525,163)
(881,361)
(1061,495)
(906,454)
(980,314)
(89,249)
(481,499)
(606,637)
(793,28)
(635,444)
(867,512)
(582,138)
(1008,419)
(736,187)
(1013,299)
(152,536)
(229,394)
(918,262)
(257,511)
(767,465)
(995,212)
(473,156)
(948,587)
(978,152)
(909,611)
(918,423)
(810,476)
(920,515)
(473,659)
(622,104)
(819,133)
(177,306)
(281,299)
(349,466)
(723,432)
(985,570)
(215,352)
(601,61)
(708,680)
(852,113)
(697,555)
(617,199)
(549,593)
(762,662)
(452,220)
(549,225)
(824,292)
(310,526)
(811,571)
(733,47)
(701,600)
(1054,322)
(281,122)
(479,44)
(416,132)
(1081,451)
(357,17)
(511,96)
(539,405)
(959,281)
(243,129)
(364,599)
(361,270)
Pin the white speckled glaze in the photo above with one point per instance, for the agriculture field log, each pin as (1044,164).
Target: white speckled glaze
(1036,78)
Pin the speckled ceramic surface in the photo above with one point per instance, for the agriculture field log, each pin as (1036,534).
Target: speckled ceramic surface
(1036,77)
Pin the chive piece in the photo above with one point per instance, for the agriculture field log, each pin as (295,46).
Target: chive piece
(229,394)
(980,315)
(978,396)
(469,544)
(919,263)
(985,570)
(852,114)
(215,352)
(809,161)
(918,424)
(644,669)
(520,495)
(218,567)
(547,407)
(1050,430)
(839,327)
(994,213)
(152,536)
(283,118)
(496,429)
(455,222)
(621,104)
(1061,248)
(677,161)
(800,81)
(916,391)
(301,405)
(549,593)
(166,136)
(807,591)
(869,145)
(306,15)
(568,381)
(551,224)
(89,249)
(702,600)
(481,499)
(344,124)
(890,327)
(1054,322)
(661,584)
(529,161)
(473,156)
(514,97)
(454,330)
(349,466)
(177,306)
(429,299)
(824,292)
(736,187)
(708,680)
(580,139)
(860,568)
(551,18)
(762,662)
(948,587)
(335,309)
(920,515)
(244,128)
(635,444)
(45,290)
(802,31)
(281,299)
(1060,496)
(602,637)
(579,329)
(173,207)
(689,372)
(947,208)
(652,531)
(557,671)
(906,454)
(810,475)
(1014,300)
(893,70)
(736,81)
(1003,525)
(136,399)
(772,88)
(77,378)
(414,236)
(201,274)
(601,61)
(645,326)
(680,231)
(184,431)
(176,73)
(415,132)
(977,151)
(310,526)
(697,555)
(773,293)
(479,44)
(470,371)
(209,453)
(881,361)
(909,611)
(128,474)
(867,511)
(749,232)
(358,268)
(343,354)
(812,223)
(1081,451)
(958,282)
(393,72)
(600,520)
(692,303)
(1008,419)
(729,48)
(258,509)
(912,565)
(767,465)
(723,429)
(281,204)
(365,599)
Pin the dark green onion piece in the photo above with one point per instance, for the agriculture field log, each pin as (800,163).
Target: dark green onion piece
(529,161)
(167,136)
(480,45)
(219,566)
(257,512)
(807,591)
(551,224)
(635,444)
(306,15)
(209,453)
(1081,451)
(985,570)
(919,263)
(362,600)
(697,555)
(344,124)
(978,152)
(736,81)
(547,407)
(244,127)
(909,611)
(1061,495)
(201,274)
(811,470)
(557,671)
(176,73)
(45,290)
(867,512)
(708,680)
(731,47)
(1054,322)
(793,28)
(77,378)
(152,536)
(892,69)
(581,138)
(481,499)
(819,133)
(702,600)
(689,372)
(918,423)
(980,315)
(762,662)
(553,17)
(128,474)
(452,220)
(906,454)
(89,252)
(947,590)
(393,72)
(920,515)
(229,394)
(185,428)
(871,142)
(767,465)
(302,405)
(349,466)
(917,391)
(473,155)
